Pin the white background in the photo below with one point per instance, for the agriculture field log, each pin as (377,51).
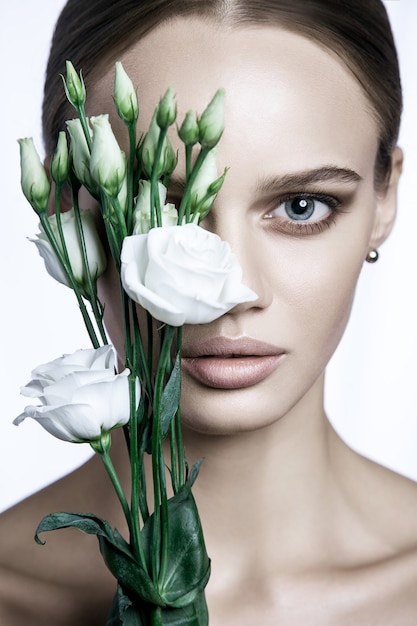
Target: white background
(372,380)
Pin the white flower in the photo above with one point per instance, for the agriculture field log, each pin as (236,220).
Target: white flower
(188,132)
(166,110)
(122,195)
(142,211)
(81,396)
(200,188)
(95,253)
(34,181)
(74,86)
(125,96)
(148,149)
(182,274)
(211,122)
(80,153)
(60,163)
(107,163)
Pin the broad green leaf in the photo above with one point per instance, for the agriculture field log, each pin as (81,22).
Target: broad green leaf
(113,547)
(129,573)
(195,614)
(188,567)
(123,613)
(86,522)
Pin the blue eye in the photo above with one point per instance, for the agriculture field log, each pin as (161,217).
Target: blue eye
(303,208)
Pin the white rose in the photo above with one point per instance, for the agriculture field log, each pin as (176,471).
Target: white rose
(81,396)
(182,274)
(95,253)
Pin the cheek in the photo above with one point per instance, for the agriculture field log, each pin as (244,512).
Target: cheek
(312,297)
(315,290)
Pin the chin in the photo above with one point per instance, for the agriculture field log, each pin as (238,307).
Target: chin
(229,412)
(210,411)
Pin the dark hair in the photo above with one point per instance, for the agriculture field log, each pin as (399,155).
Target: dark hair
(94,34)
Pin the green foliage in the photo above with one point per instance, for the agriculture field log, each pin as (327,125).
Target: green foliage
(180,593)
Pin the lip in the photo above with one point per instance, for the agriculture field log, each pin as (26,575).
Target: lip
(225,363)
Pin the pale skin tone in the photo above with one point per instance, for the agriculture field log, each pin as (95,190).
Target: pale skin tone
(301,530)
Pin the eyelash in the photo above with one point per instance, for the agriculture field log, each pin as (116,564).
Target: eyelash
(298,227)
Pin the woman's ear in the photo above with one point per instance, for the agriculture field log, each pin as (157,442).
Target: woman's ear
(386,208)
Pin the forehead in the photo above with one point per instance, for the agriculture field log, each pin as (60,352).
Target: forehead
(282,89)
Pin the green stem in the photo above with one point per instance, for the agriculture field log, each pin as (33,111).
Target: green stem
(92,289)
(178,427)
(103,451)
(130,176)
(180,449)
(139,349)
(156,616)
(174,456)
(135,473)
(185,208)
(131,362)
(64,260)
(114,244)
(120,218)
(135,355)
(84,124)
(158,464)
(149,328)
(155,201)
(130,358)
(143,502)
(188,160)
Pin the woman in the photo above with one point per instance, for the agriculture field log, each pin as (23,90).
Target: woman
(300,529)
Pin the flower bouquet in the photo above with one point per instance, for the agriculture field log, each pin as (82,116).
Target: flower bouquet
(171,272)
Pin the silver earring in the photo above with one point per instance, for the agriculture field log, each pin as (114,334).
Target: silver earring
(372,256)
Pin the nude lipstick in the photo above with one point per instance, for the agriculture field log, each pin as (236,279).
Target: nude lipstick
(224,363)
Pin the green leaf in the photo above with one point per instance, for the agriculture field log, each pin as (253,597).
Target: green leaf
(170,399)
(114,549)
(195,614)
(194,472)
(128,572)
(119,605)
(86,522)
(122,611)
(188,567)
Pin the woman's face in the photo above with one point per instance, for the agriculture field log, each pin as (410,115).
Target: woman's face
(298,207)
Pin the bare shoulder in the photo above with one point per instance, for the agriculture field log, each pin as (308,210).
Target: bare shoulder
(386,582)
(391,502)
(59,582)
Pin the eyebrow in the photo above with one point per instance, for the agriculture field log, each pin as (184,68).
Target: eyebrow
(308,177)
(303,178)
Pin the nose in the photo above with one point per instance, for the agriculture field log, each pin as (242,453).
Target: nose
(241,235)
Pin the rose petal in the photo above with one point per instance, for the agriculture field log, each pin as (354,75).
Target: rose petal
(75,423)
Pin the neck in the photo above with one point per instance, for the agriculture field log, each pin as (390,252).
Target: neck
(257,488)
(267,489)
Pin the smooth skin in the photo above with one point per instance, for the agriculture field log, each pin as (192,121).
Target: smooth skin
(302,531)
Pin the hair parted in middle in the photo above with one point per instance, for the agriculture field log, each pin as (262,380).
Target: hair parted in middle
(93,35)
